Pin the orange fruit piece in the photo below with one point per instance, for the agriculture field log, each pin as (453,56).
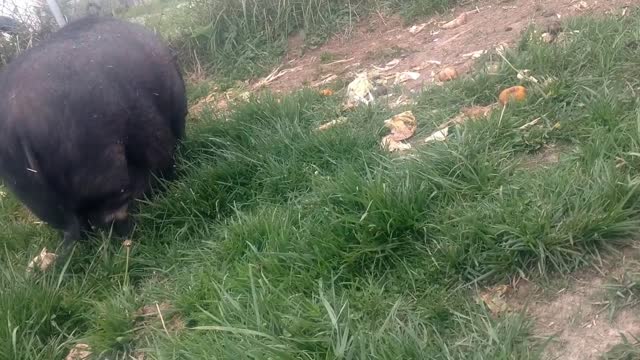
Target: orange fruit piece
(514,93)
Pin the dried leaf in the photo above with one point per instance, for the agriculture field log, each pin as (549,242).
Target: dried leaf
(79,352)
(43,261)
(402,126)
(152,310)
(493,298)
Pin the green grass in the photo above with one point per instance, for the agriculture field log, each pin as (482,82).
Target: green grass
(622,291)
(282,242)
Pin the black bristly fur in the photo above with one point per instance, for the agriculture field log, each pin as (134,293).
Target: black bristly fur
(87,119)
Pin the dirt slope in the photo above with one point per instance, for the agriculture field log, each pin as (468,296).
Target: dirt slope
(378,40)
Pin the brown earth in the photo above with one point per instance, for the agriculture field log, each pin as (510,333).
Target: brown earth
(377,40)
(576,314)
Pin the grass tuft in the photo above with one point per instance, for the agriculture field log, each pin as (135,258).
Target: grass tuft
(279,241)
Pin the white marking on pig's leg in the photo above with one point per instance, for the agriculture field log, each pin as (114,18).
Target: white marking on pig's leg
(119,214)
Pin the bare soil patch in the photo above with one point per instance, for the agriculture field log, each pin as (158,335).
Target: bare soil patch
(377,40)
(574,315)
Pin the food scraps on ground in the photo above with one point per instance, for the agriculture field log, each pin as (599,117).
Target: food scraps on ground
(524,75)
(406,76)
(548,37)
(326,92)
(359,91)
(417,28)
(514,93)
(460,20)
(400,101)
(393,145)
(402,127)
(439,135)
(470,113)
(447,74)
(43,261)
(474,54)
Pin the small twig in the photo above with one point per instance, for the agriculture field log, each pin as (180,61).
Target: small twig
(454,37)
(477,10)
(162,320)
(339,62)
(273,76)
(507,61)
(504,107)
(326,80)
(381,17)
(127,245)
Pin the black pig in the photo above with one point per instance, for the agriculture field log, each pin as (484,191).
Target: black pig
(88,118)
(8,25)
